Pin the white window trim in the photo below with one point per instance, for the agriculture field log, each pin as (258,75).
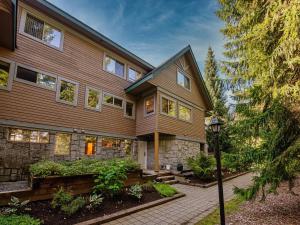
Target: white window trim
(58,85)
(116,59)
(183,73)
(37,71)
(86,105)
(144,106)
(12,68)
(170,99)
(182,104)
(133,109)
(45,20)
(112,105)
(130,67)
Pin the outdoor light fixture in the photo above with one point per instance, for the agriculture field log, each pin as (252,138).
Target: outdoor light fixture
(215,127)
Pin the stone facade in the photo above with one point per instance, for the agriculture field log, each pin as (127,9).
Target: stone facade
(16,157)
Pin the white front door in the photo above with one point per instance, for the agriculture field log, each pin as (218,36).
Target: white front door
(142,154)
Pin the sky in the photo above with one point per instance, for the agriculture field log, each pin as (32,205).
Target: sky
(154,30)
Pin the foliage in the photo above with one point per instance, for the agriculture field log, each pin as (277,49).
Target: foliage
(148,187)
(61,197)
(94,201)
(18,220)
(136,191)
(203,166)
(73,206)
(165,190)
(16,205)
(234,162)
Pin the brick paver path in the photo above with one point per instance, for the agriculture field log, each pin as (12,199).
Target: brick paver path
(197,203)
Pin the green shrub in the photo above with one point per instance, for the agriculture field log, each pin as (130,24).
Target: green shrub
(73,206)
(60,198)
(94,201)
(136,191)
(16,206)
(18,220)
(148,187)
(165,190)
(46,168)
(203,166)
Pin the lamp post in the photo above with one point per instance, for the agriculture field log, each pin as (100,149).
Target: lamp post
(215,126)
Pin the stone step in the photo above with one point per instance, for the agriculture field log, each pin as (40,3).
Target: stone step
(170,182)
(164,178)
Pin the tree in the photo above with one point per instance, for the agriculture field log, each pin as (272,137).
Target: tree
(263,52)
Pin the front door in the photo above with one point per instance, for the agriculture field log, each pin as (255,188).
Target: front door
(142,154)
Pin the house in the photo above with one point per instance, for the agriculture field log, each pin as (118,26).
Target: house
(67,91)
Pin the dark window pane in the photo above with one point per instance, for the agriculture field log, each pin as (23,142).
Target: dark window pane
(129,109)
(34,27)
(26,74)
(164,105)
(118,102)
(108,99)
(4,73)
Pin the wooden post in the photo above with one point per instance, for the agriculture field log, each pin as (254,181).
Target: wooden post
(156,151)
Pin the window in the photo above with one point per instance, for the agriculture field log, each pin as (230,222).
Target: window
(90,145)
(184,113)
(42,31)
(133,75)
(30,136)
(112,100)
(62,144)
(183,80)
(111,143)
(113,66)
(149,105)
(40,79)
(67,91)
(129,109)
(93,99)
(168,106)
(6,72)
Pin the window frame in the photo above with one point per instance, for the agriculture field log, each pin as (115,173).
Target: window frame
(132,68)
(28,142)
(169,99)
(36,71)
(184,74)
(114,96)
(45,20)
(86,105)
(154,103)
(58,86)
(11,72)
(186,106)
(55,153)
(133,109)
(124,77)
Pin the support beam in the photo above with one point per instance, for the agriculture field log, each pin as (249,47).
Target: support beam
(156,151)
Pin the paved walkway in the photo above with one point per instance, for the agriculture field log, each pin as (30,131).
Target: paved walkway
(187,210)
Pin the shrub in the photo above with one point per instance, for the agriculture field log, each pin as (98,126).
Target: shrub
(203,166)
(16,206)
(46,168)
(73,206)
(136,191)
(94,201)
(18,220)
(231,162)
(165,190)
(148,187)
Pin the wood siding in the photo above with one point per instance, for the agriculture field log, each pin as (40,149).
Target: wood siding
(6,5)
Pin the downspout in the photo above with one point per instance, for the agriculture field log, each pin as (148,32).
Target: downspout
(14,24)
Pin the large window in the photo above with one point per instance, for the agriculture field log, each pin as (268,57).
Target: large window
(184,113)
(168,106)
(6,73)
(62,144)
(93,99)
(42,31)
(90,145)
(112,100)
(33,77)
(67,91)
(133,75)
(149,105)
(32,136)
(129,109)
(114,66)
(111,143)
(183,80)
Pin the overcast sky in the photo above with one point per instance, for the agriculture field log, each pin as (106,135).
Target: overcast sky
(153,29)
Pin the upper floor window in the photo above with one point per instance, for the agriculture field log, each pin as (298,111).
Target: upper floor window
(40,30)
(112,100)
(30,136)
(33,77)
(168,106)
(129,109)
(93,99)
(6,72)
(133,75)
(184,113)
(149,105)
(114,66)
(67,91)
(183,80)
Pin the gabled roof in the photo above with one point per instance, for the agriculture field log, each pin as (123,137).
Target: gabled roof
(169,62)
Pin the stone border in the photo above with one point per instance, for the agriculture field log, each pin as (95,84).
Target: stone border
(126,212)
(212,183)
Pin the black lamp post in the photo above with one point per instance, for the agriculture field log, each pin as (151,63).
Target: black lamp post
(215,126)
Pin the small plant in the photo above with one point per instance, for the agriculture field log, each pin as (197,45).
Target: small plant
(165,190)
(18,220)
(60,198)
(203,166)
(73,206)
(16,205)
(136,191)
(94,201)
(148,187)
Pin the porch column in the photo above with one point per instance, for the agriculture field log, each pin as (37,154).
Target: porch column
(156,151)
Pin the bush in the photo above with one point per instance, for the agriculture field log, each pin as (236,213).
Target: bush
(148,187)
(18,220)
(94,201)
(16,206)
(136,191)
(165,190)
(73,206)
(203,166)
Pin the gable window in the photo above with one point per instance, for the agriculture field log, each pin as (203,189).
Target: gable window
(6,72)
(30,136)
(67,91)
(93,99)
(149,105)
(129,109)
(184,113)
(133,75)
(112,100)
(62,144)
(33,77)
(168,106)
(42,31)
(183,80)
(114,66)
(90,145)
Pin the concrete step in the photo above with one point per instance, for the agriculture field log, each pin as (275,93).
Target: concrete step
(170,182)
(164,178)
